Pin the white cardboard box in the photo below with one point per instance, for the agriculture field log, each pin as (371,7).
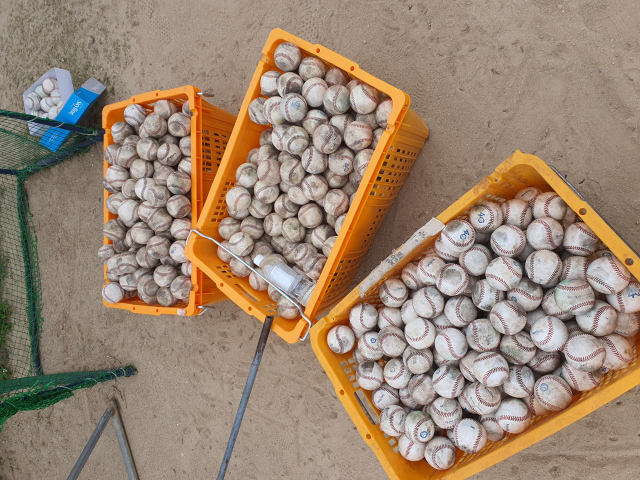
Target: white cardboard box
(65,85)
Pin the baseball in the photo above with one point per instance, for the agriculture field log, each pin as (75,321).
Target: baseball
(383,111)
(526,294)
(409,276)
(363,99)
(619,352)
(411,450)
(481,336)
(486,217)
(420,333)
(313,91)
(445,412)
(626,300)
(336,99)
(545,234)
(518,349)
(369,376)
(154,125)
(158,248)
(507,317)
(385,396)
(112,292)
(252,227)
(517,212)
(484,296)
(271,111)
(269,83)
(584,352)
(114,230)
(448,382)
(393,293)
(369,346)
(503,273)
(336,202)
(574,296)
(607,275)
(391,341)
(418,361)
(341,121)
(491,369)
(460,311)
(580,240)
(544,362)
(440,453)
(428,269)
(285,208)
(466,365)
(341,339)
(407,312)
(553,393)
(543,267)
(508,241)
(452,280)
(628,324)
(406,399)
(458,236)
(228,227)
(396,373)
(392,419)
(311,67)
(238,198)
(520,382)
(549,204)
(549,334)
(445,252)
(494,430)
(428,302)
(357,136)
(451,344)
(363,317)
(256,111)
(476,259)
(513,416)
(287,57)
(313,119)
(421,389)
(580,381)
(535,407)
(470,435)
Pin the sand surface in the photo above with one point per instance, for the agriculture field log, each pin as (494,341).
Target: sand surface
(561,81)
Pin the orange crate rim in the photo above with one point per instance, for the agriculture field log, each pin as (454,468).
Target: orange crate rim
(513,174)
(391,163)
(210,130)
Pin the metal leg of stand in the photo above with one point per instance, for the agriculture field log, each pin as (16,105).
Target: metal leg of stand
(264,335)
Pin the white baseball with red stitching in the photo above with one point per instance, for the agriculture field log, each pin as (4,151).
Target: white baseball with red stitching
(428,302)
(504,273)
(420,333)
(369,346)
(513,416)
(608,275)
(529,195)
(447,381)
(385,396)
(549,204)
(581,381)
(574,296)
(486,217)
(460,311)
(527,294)
(389,317)
(508,241)
(391,341)
(628,299)
(476,259)
(549,334)
(550,307)
(445,252)
(363,317)
(452,280)
(458,235)
(481,336)
(491,369)
(580,240)
(410,276)
(466,365)
(494,430)
(507,317)
(520,382)
(485,296)
(396,373)
(445,412)
(543,267)
(428,269)
(421,389)
(369,375)
(628,324)
(553,393)
(619,352)
(392,420)
(574,268)
(585,352)
(411,450)
(417,360)
(470,436)
(545,234)
(393,292)
(600,320)
(341,339)
(419,427)
(544,362)
(517,212)
(451,344)
(440,453)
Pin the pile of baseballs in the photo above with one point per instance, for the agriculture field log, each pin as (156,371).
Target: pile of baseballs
(149,181)
(513,311)
(46,101)
(293,193)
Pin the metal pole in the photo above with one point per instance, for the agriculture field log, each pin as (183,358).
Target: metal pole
(122,440)
(95,436)
(264,335)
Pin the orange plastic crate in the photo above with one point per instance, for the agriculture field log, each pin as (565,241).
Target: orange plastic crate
(518,171)
(210,131)
(391,163)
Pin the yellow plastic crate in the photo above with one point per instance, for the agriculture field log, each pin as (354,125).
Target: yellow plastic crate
(515,173)
(388,169)
(210,131)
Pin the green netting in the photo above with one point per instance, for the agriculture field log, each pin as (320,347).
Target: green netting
(34,393)
(28,145)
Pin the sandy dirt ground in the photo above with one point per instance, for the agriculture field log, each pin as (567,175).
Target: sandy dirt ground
(557,79)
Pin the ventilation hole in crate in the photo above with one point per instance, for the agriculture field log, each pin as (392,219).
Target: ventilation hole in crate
(343,364)
(355,385)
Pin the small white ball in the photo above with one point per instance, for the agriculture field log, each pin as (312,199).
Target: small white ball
(553,393)
(549,204)
(341,339)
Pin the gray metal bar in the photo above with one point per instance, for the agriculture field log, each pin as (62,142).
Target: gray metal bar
(124,443)
(95,436)
(264,335)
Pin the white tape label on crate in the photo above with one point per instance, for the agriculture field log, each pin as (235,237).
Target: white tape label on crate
(432,227)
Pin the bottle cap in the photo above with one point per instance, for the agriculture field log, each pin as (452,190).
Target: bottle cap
(258,259)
